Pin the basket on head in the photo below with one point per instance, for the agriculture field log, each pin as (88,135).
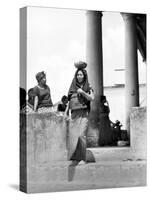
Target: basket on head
(80,65)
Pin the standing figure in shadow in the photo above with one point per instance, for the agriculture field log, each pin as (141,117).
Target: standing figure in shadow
(105,137)
(22,97)
(80,95)
(40,96)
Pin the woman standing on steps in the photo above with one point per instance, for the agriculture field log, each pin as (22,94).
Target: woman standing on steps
(80,95)
(105,137)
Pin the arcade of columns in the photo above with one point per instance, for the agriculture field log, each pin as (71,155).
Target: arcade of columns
(94,56)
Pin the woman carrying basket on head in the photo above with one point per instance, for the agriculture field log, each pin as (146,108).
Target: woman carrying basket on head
(80,95)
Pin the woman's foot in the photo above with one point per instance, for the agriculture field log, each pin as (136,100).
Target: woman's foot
(82,162)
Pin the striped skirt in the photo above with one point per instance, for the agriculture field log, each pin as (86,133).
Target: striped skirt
(77,132)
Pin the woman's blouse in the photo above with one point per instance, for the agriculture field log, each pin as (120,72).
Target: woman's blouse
(44,96)
(78,101)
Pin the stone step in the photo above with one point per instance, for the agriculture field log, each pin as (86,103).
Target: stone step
(115,154)
(87,176)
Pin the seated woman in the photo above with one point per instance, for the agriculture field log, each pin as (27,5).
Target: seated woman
(105,137)
(80,94)
(40,96)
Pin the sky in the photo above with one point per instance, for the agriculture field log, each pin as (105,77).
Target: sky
(56,38)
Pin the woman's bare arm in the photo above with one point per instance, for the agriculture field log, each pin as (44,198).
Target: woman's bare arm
(35,103)
(88,96)
(67,110)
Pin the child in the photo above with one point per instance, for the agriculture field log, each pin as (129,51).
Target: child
(62,106)
(117,131)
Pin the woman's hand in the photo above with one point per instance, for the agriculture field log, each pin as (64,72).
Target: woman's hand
(66,117)
(88,96)
(80,91)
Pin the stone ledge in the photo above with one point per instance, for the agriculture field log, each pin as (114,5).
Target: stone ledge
(116,154)
(88,176)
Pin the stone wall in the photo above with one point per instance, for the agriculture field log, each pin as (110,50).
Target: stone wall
(138,131)
(43,158)
(138,138)
(46,138)
(43,140)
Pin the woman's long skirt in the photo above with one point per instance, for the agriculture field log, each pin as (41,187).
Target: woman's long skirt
(78,126)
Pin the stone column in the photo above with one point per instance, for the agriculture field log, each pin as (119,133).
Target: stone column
(131,66)
(94,57)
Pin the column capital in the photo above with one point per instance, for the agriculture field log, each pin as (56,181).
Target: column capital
(94,13)
(128,16)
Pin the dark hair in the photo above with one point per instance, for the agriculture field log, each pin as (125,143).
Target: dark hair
(64,98)
(84,74)
(102,98)
(40,75)
(117,122)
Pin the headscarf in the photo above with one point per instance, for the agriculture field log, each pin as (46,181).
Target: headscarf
(75,85)
(102,98)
